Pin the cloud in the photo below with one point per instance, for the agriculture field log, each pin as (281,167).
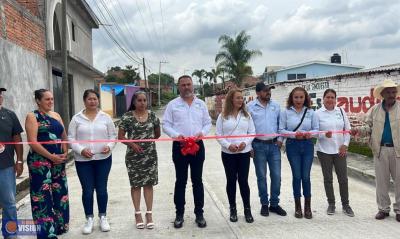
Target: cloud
(336,24)
(287,31)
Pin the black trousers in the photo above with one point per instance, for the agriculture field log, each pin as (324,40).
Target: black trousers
(237,170)
(182,164)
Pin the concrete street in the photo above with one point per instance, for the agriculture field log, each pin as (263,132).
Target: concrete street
(121,212)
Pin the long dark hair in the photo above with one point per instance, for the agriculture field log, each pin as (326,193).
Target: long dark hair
(134,97)
(307,100)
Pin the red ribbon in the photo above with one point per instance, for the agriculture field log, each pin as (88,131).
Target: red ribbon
(189,146)
(166,139)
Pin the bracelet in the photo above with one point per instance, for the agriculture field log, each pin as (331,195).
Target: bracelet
(21,162)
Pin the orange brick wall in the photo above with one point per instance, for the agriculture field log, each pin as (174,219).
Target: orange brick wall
(31,5)
(23,31)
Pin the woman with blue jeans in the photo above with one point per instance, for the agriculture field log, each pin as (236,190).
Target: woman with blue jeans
(298,122)
(93,160)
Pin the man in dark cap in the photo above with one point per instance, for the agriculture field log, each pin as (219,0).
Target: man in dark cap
(265,114)
(10,131)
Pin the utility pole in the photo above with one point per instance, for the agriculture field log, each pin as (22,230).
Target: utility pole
(64,53)
(159,80)
(148,93)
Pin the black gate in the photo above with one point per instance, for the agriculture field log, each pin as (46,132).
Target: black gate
(120,104)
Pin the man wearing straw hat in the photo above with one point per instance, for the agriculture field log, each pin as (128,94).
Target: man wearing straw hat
(382,125)
(10,130)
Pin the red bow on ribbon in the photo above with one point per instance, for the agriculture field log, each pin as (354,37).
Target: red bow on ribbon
(189,146)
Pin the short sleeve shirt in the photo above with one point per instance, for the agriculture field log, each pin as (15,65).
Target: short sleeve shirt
(9,127)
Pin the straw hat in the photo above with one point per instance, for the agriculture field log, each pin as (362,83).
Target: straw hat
(385,84)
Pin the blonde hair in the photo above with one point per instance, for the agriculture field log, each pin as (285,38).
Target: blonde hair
(228,107)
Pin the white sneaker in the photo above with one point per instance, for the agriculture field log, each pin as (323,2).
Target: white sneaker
(88,227)
(104,226)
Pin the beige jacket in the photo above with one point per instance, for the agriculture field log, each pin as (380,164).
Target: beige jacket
(375,122)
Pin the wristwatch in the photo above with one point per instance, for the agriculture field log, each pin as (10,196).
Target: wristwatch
(19,161)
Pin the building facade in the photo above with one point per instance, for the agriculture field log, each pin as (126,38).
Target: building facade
(311,70)
(30,51)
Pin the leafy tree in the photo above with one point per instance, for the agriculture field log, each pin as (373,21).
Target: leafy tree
(130,75)
(111,78)
(234,56)
(208,89)
(165,79)
(115,68)
(200,74)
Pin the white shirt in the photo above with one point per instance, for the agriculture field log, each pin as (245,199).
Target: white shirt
(81,128)
(181,119)
(235,126)
(332,120)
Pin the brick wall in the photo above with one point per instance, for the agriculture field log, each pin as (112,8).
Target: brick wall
(31,5)
(22,30)
(354,94)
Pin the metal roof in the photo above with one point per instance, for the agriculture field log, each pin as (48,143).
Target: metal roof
(320,63)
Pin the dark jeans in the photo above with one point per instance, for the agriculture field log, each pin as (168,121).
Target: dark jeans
(182,164)
(93,175)
(327,162)
(301,155)
(267,154)
(237,170)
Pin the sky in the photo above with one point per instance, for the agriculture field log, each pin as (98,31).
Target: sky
(185,33)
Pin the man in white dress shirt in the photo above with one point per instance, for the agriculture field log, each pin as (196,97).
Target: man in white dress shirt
(187,116)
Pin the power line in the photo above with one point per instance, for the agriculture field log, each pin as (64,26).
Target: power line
(118,28)
(155,30)
(111,36)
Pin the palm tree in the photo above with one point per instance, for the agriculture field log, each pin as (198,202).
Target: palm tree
(234,56)
(213,76)
(200,74)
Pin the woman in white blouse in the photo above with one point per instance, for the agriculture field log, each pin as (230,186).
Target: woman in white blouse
(332,150)
(234,120)
(92,160)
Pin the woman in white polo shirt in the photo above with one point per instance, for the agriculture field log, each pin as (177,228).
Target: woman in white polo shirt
(93,160)
(332,150)
(235,120)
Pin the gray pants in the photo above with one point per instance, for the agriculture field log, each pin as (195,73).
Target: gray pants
(386,165)
(327,162)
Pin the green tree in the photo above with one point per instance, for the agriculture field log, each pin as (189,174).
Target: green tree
(200,74)
(208,89)
(111,78)
(234,56)
(131,75)
(165,79)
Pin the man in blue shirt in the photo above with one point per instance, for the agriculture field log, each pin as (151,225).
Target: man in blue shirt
(265,114)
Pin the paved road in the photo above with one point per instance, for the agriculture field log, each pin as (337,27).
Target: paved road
(121,212)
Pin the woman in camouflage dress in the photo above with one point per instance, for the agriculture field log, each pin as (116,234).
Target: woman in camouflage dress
(141,158)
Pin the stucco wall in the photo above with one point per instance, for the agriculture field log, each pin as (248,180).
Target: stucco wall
(81,83)
(106,99)
(21,72)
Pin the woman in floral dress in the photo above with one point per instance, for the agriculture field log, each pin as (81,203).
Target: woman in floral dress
(46,163)
(141,158)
